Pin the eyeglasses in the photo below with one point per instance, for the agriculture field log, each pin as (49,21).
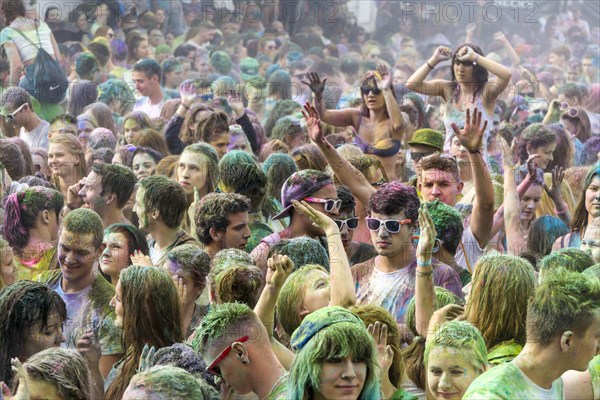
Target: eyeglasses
(213,367)
(11,116)
(391,225)
(365,90)
(330,204)
(351,223)
(572,112)
(378,183)
(540,111)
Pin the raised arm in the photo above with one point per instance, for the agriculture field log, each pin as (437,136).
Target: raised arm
(424,286)
(436,87)
(345,117)
(560,206)
(471,137)
(341,282)
(512,218)
(349,176)
(512,54)
(279,268)
(384,84)
(493,89)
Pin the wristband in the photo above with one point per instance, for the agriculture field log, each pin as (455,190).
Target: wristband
(424,274)
(429,65)
(424,264)
(478,151)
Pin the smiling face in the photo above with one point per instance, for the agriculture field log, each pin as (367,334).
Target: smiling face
(91,192)
(143,165)
(449,373)
(60,160)
(530,202)
(341,379)
(77,255)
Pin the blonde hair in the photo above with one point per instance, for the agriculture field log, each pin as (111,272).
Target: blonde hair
(73,146)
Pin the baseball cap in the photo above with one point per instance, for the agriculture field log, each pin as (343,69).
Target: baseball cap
(299,185)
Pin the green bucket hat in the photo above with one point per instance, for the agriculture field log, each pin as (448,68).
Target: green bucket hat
(428,137)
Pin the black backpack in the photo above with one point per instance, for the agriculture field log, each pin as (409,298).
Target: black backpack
(48,82)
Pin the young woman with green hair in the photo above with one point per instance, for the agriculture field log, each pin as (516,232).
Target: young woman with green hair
(336,358)
(454,356)
(148,309)
(32,220)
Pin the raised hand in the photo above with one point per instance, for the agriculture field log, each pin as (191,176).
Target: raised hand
(385,353)
(558,175)
(89,347)
(236,103)
(279,268)
(146,358)
(313,123)
(442,53)
(532,167)
(20,373)
(427,236)
(74,200)
(318,218)
(316,85)
(471,28)
(386,80)
(466,54)
(471,136)
(138,258)
(499,36)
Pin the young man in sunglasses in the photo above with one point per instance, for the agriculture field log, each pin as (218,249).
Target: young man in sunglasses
(16,108)
(314,187)
(439,179)
(347,221)
(237,349)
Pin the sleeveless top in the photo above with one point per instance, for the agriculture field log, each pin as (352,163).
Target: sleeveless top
(452,115)
(26,50)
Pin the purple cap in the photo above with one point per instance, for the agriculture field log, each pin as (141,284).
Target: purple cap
(299,185)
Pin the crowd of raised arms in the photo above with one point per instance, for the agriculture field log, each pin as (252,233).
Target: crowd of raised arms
(208,203)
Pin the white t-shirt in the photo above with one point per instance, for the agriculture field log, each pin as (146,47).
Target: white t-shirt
(471,246)
(152,110)
(37,138)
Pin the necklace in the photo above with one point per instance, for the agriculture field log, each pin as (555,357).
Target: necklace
(523,234)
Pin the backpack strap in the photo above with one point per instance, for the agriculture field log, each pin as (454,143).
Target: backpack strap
(29,40)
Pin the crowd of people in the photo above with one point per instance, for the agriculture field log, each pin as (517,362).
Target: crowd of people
(205,203)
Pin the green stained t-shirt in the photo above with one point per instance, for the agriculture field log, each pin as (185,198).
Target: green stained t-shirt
(508,382)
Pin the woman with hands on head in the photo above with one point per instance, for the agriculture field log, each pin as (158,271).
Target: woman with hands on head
(379,121)
(469,86)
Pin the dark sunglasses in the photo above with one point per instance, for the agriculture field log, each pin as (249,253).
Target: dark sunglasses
(351,223)
(416,156)
(378,183)
(391,225)
(329,204)
(365,90)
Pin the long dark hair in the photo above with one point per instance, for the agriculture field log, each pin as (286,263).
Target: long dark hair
(22,305)
(151,315)
(12,9)
(580,219)
(480,74)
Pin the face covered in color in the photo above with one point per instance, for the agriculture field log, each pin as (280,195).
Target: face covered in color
(449,373)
